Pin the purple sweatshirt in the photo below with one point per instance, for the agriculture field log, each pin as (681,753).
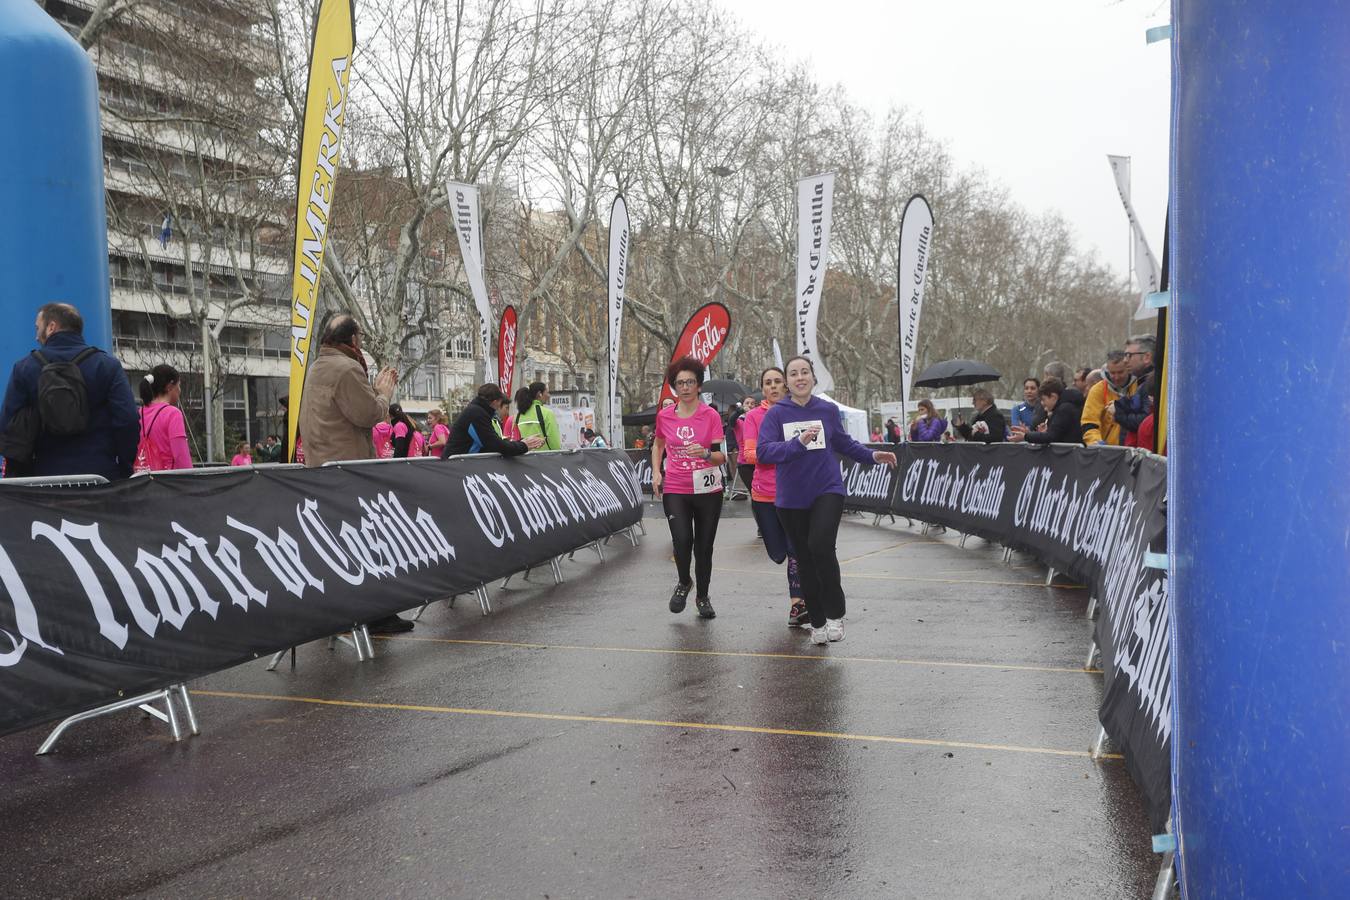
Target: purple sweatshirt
(804,474)
(927,429)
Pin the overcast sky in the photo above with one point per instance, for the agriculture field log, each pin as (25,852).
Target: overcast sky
(1036,93)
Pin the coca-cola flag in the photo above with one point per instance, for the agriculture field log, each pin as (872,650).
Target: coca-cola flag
(506,350)
(815,207)
(618,276)
(916,242)
(703,335)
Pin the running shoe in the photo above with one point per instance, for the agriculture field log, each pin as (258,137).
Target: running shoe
(678,598)
(818,635)
(705,609)
(834,629)
(798,617)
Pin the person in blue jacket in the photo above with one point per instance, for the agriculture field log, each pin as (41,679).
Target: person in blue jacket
(107,446)
(477,430)
(801,434)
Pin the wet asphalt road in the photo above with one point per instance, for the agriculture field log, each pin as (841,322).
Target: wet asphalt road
(584,742)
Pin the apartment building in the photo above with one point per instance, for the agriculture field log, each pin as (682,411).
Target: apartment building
(198,233)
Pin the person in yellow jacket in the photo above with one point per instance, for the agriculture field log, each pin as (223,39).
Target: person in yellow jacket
(1099,420)
(534,418)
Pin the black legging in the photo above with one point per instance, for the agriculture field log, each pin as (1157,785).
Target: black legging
(813,533)
(747,473)
(693,528)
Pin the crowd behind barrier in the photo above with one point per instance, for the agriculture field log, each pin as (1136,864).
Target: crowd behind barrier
(144,583)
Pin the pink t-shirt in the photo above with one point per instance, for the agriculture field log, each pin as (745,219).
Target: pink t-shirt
(704,428)
(164,443)
(382,436)
(764,486)
(417,446)
(439,433)
(739,430)
(241,459)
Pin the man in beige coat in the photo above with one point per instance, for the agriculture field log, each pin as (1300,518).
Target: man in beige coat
(339,407)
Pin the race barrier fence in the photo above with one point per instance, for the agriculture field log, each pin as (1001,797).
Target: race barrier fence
(122,591)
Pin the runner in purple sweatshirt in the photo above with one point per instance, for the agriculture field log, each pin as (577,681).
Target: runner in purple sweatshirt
(800,435)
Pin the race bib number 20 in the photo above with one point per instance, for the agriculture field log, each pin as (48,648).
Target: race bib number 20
(708,481)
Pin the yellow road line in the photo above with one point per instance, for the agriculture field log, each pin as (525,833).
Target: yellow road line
(1041,584)
(929,663)
(656,723)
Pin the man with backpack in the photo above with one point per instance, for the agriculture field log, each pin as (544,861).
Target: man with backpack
(68,408)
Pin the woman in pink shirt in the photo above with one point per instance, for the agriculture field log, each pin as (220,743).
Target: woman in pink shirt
(763,489)
(164,443)
(382,436)
(440,432)
(690,435)
(241,455)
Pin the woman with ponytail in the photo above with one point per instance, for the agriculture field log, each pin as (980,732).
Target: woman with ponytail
(535,418)
(164,443)
(764,489)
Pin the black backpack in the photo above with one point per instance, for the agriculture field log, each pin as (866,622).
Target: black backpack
(62,396)
(62,407)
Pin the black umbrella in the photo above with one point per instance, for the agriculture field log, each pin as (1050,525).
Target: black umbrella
(955,372)
(641,417)
(724,391)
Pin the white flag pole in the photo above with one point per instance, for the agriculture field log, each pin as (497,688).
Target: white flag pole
(618,277)
(815,209)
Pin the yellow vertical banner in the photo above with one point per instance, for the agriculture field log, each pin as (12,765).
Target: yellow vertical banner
(320,151)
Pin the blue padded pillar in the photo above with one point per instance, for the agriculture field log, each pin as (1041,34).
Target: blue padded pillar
(1260,446)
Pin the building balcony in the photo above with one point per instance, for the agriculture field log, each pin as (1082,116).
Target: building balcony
(130,246)
(132,295)
(143,354)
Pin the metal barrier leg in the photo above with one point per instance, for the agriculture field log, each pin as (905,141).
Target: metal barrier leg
(354,641)
(128,703)
(599,551)
(1049,576)
(1092,654)
(640,527)
(1092,607)
(632,535)
(555,565)
(173,715)
(363,634)
(483,602)
(1099,744)
(1162,886)
(276,658)
(188,709)
(963,540)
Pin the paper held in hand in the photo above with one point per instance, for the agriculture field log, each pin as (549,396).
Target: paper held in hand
(792,429)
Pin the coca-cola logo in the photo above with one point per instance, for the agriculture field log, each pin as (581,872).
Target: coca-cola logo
(705,341)
(506,349)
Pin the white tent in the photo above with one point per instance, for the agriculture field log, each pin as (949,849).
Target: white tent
(853,420)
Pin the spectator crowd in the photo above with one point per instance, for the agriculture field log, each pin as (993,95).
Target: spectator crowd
(1112,404)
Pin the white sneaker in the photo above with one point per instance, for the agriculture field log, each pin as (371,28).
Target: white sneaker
(834,629)
(818,635)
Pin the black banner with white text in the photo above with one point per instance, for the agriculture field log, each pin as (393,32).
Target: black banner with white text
(144,583)
(1090,513)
